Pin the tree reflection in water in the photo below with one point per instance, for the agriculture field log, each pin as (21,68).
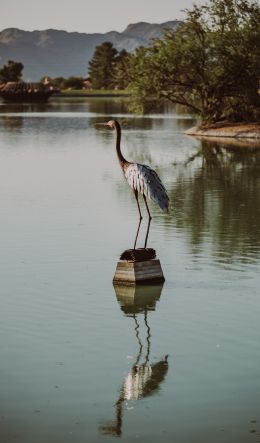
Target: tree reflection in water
(144,378)
(217,196)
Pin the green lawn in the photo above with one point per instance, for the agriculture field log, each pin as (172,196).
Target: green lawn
(94,92)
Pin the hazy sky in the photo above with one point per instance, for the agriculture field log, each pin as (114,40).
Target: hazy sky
(87,16)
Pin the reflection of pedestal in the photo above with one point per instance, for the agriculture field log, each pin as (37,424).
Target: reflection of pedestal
(137,299)
(138,272)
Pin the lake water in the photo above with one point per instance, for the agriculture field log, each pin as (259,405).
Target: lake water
(82,361)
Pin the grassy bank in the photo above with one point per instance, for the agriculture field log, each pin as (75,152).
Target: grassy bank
(236,130)
(93,93)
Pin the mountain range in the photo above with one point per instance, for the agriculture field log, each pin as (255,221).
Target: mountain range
(60,53)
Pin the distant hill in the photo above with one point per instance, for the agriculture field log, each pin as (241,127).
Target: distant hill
(61,53)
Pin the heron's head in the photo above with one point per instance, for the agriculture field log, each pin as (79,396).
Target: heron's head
(110,124)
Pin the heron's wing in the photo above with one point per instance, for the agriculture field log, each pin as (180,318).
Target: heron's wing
(143,179)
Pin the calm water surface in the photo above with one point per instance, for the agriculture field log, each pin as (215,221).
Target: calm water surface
(82,361)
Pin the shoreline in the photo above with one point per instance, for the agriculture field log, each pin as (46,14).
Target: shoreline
(228,130)
(89,94)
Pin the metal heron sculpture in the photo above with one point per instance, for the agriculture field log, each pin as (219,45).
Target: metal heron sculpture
(141,178)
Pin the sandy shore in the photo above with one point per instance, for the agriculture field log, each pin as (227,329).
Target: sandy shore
(238,130)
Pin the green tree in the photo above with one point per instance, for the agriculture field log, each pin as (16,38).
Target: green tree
(73,82)
(11,72)
(65,83)
(102,66)
(57,82)
(121,72)
(210,64)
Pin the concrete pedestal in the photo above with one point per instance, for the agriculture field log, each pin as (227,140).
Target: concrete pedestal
(138,272)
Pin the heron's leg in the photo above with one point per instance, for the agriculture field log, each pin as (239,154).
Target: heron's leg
(139,209)
(140,216)
(147,232)
(149,222)
(150,217)
(137,232)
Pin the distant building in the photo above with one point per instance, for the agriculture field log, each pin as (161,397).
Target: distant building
(87,83)
(26,92)
(47,81)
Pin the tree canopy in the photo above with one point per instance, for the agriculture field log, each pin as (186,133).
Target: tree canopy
(11,72)
(210,64)
(108,68)
(102,65)
(121,72)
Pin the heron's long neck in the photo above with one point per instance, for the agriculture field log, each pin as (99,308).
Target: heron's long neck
(121,159)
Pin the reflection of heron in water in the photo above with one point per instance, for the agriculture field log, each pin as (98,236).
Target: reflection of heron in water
(143,379)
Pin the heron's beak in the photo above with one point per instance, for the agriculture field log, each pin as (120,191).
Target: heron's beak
(101,124)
